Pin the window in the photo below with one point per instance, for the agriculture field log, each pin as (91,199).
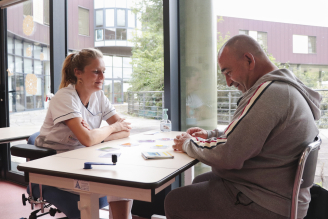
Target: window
(260,37)
(120,17)
(46,12)
(110,17)
(99,34)
(98,4)
(131,19)
(243,32)
(99,18)
(304,44)
(27,8)
(38,11)
(110,34)
(120,34)
(312,44)
(83,21)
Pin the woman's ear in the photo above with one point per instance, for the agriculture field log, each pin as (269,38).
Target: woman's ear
(77,72)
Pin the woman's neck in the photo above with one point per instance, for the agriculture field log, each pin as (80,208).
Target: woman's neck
(83,94)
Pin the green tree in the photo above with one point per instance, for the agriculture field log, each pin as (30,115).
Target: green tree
(148,52)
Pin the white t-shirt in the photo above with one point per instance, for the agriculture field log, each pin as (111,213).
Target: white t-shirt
(65,105)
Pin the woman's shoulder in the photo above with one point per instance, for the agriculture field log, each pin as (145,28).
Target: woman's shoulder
(68,91)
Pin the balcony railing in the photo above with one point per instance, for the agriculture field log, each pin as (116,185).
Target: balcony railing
(149,104)
(146,104)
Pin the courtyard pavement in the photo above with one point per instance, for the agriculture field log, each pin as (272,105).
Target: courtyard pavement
(140,124)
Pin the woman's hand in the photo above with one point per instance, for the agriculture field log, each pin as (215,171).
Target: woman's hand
(85,124)
(121,125)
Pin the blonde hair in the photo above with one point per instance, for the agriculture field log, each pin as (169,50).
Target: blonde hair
(77,60)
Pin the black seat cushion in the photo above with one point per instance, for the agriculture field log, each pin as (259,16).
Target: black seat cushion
(31,151)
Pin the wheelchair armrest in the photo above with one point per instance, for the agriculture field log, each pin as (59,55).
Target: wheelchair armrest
(31,151)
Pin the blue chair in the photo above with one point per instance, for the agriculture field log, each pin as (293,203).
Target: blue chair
(65,202)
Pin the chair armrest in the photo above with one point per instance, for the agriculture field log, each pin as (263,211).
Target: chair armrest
(31,151)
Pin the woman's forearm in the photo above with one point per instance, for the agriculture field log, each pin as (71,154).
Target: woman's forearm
(118,135)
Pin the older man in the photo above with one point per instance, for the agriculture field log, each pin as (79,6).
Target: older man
(254,159)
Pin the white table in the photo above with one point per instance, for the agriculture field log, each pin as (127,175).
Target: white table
(17,133)
(132,177)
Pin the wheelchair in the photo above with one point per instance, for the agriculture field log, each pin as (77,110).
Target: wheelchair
(56,200)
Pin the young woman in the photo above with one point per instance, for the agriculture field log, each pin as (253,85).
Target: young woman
(75,114)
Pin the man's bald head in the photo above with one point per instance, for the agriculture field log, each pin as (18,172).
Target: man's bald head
(241,44)
(242,61)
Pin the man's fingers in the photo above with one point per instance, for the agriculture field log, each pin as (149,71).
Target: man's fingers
(196,133)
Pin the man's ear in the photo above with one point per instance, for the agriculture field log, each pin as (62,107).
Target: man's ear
(250,60)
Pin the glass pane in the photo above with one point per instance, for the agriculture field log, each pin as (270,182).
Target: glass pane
(29,101)
(131,19)
(312,44)
(45,54)
(110,3)
(120,3)
(130,3)
(37,52)
(10,45)
(28,39)
(38,96)
(139,21)
(28,50)
(99,34)
(28,66)
(37,67)
(108,61)
(11,64)
(99,3)
(120,34)
(109,72)
(118,92)
(130,34)
(262,39)
(18,47)
(117,61)
(120,17)
(110,34)
(18,64)
(20,93)
(108,89)
(127,62)
(84,24)
(99,18)
(117,72)
(110,18)
(127,72)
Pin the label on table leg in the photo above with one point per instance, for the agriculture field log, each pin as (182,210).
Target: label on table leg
(81,185)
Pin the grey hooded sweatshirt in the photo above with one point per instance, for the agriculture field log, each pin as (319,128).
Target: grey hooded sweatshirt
(258,152)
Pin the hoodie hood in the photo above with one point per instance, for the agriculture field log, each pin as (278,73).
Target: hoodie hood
(312,97)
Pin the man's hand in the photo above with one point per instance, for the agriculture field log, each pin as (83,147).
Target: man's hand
(179,140)
(197,132)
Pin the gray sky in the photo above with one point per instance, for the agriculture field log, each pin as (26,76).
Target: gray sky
(307,12)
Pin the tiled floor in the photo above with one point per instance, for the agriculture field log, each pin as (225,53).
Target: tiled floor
(11,206)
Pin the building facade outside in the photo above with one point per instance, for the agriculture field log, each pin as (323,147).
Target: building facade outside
(105,25)
(303,48)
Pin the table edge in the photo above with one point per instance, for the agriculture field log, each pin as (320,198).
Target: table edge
(140,185)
